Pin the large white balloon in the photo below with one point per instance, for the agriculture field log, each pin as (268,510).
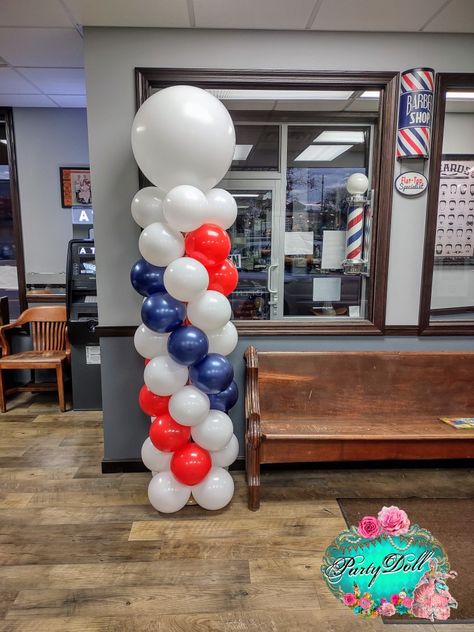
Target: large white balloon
(148,343)
(215,491)
(228,454)
(209,311)
(183,135)
(215,432)
(166,494)
(222,208)
(184,208)
(223,340)
(147,206)
(160,245)
(154,459)
(185,278)
(189,406)
(164,376)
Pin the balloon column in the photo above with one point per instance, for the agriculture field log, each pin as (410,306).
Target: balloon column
(183,140)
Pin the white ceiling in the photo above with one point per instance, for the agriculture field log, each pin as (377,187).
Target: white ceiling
(41,44)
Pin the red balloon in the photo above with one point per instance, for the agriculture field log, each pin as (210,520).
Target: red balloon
(167,435)
(223,278)
(146,361)
(152,404)
(190,464)
(209,244)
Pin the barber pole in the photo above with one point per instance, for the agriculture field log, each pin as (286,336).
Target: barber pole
(354,234)
(414,116)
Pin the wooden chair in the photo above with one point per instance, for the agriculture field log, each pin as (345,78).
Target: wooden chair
(50,350)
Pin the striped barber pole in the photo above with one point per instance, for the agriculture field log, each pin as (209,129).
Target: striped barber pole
(354,233)
(414,117)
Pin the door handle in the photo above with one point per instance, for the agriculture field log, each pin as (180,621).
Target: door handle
(271,267)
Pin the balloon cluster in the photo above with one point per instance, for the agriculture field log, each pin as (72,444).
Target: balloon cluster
(183,140)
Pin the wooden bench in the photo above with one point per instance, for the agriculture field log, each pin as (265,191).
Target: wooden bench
(354,406)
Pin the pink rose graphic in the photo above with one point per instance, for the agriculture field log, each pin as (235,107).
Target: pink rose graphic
(364,603)
(407,602)
(393,520)
(369,527)
(386,609)
(394,599)
(349,599)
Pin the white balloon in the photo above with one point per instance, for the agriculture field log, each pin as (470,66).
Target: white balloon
(228,454)
(189,406)
(166,494)
(154,459)
(215,432)
(185,278)
(222,208)
(209,311)
(164,376)
(215,491)
(160,245)
(183,135)
(147,206)
(223,340)
(148,343)
(184,208)
(357,184)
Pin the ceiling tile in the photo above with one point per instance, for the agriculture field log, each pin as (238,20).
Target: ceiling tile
(149,13)
(12,83)
(374,15)
(253,14)
(322,105)
(33,13)
(26,101)
(42,47)
(69,100)
(363,105)
(457,17)
(57,80)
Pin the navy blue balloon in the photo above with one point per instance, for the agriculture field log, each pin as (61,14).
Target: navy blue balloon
(163,313)
(146,278)
(213,374)
(187,345)
(225,399)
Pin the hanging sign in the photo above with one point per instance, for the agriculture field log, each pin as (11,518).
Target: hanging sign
(385,566)
(414,115)
(411,183)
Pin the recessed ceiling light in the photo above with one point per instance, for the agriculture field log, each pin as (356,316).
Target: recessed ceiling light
(241,152)
(336,136)
(281,95)
(459,96)
(2,140)
(245,195)
(370,94)
(322,153)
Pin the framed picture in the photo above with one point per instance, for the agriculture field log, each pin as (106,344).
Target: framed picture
(75,186)
(455,224)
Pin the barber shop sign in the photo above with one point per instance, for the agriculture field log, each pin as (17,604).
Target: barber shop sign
(385,566)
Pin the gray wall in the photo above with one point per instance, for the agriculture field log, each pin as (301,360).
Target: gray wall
(111,56)
(47,138)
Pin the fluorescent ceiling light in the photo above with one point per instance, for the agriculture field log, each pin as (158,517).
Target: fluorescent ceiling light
(459,95)
(2,140)
(322,153)
(336,136)
(241,152)
(370,94)
(281,95)
(245,195)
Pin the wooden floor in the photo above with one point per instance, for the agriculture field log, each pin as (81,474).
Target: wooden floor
(82,552)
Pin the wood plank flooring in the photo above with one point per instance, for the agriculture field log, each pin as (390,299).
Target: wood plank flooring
(84,552)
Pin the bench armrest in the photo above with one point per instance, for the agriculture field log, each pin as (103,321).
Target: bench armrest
(4,342)
(252,403)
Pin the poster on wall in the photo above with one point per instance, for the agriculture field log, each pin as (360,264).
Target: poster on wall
(455,224)
(75,186)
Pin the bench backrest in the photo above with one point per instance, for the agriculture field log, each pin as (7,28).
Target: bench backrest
(308,385)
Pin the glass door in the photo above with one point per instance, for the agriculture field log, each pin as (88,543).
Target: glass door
(255,248)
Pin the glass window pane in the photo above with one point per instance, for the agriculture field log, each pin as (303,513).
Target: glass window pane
(320,161)
(251,253)
(257,148)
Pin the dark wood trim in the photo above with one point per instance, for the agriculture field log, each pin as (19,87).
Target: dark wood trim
(452,310)
(4,311)
(7,114)
(148,79)
(45,298)
(401,330)
(444,82)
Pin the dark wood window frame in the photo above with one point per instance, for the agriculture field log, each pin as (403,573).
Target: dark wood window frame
(444,82)
(6,114)
(149,79)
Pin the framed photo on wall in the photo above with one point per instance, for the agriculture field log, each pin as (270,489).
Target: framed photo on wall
(75,186)
(455,223)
